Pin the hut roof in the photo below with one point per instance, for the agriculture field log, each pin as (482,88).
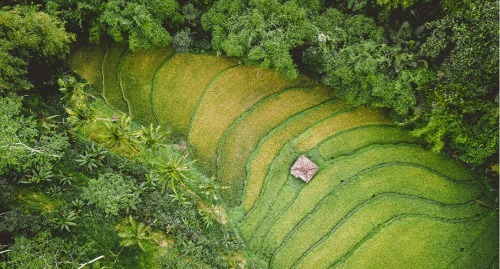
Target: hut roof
(304,168)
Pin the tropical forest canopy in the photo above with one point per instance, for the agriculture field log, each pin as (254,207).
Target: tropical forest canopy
(433,65)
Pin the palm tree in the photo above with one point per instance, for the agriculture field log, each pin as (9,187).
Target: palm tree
(92,158)
(151,138)
(47,123)
(88,161)
(172,171)
(73,90)
(77,100)
(80,115)
(44,174)
(119,135)
(135,233)
(65,179)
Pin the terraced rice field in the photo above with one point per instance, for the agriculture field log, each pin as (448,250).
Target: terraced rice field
(136,77)
(379,199)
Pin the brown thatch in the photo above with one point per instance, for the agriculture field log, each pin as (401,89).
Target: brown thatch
(304,168)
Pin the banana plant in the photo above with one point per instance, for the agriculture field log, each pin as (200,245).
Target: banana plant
(66,220)
(44,174)
(135,233)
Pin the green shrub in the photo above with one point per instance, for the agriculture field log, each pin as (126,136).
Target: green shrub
(112,193)
(44,251)
(19,222)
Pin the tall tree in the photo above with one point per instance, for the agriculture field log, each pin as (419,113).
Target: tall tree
(262,32)
(461,111)
(139,23)
(29,41)
(22,146)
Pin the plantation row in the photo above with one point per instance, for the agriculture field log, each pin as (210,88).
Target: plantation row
(379,200)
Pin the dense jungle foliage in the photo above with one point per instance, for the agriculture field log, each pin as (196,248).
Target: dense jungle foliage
(432,64)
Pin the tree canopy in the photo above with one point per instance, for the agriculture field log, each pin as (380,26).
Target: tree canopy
(29,39)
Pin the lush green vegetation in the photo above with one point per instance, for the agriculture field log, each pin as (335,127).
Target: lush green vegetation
(372,173)
(129,153)
(435,71)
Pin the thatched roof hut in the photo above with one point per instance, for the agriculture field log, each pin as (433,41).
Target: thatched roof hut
(304,169)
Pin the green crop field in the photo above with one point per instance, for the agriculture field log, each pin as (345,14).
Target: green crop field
(236,145)
(228,97)
(173,104)
(136,79)
(378,200)
(347,142)
(268,148)
(88,63)
(112,87)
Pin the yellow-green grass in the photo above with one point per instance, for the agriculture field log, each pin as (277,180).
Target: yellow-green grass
(360,116)
(87,62)
(344,168)
(239,140)
(137,72)
(400,186)
(179,85)
(483,252)
(38,199)
(261,220)
(404,241)
(228,97)
(270,145)
(112,89)
(336,122)
(276,177)
(347,142)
